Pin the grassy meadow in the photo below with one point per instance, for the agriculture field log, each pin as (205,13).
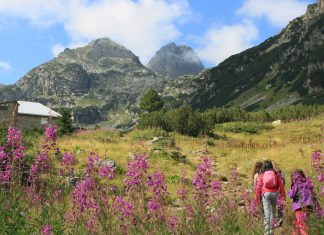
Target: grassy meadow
(186,185)
(289,145)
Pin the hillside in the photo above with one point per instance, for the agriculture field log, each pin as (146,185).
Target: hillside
(285,69)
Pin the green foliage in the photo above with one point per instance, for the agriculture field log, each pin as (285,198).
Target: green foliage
(151,101)
(65,122)
(296,112)
(194,123)
(248,127)
(174,155)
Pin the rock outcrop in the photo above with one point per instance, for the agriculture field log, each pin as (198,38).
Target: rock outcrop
(173,61)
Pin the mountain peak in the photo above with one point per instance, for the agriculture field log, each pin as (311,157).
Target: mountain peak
(173,61)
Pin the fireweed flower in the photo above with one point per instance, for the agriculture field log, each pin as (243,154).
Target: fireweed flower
(50,133)
(201,181)
(135,172)
(106,171)
(320,177)
(124,208)
(13,137)
(157,185)
(33,197)
(3,154)
(154,211)
(317,161)
(216,186)
(173,224)
(47,230)
(83,195)
(67,159)
(5,175)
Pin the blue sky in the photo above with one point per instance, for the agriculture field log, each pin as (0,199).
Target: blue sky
(35,31)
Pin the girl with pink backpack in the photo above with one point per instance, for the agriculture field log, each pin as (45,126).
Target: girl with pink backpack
(269,185)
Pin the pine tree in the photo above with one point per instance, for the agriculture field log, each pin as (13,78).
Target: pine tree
(151,101)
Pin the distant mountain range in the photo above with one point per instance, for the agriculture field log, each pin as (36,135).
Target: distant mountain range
(104,78)
(2,85)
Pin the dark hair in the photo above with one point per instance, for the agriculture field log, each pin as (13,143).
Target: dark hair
(297,173)
(257,168)
(267,166)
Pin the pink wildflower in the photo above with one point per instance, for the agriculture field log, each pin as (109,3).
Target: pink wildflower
(320,177)
(50,133)
(67,159)
(135,172)
(47,230)
(173,224)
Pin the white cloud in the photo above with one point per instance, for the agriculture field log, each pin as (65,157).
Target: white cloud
(4,65)
(142,26)
(224,41)
(278,12)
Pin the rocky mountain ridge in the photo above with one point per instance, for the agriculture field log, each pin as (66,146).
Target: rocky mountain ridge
(285,69)
(96,78)
(173,61)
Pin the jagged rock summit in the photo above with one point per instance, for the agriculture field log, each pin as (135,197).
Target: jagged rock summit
(103,74)
(173,61)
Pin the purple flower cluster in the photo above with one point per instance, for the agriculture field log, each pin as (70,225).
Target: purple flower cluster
(135,173)
(83,196)
(201,181)
(50,133)
(157,186)
(106,171)
(40,165)
(125,210)
(124,207)
(97,166)
(11,154)
(47,230)
(67,159)
(173,224)
(13,137)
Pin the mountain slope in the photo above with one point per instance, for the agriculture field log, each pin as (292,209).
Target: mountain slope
(282,70)
(174,61)
(102,74)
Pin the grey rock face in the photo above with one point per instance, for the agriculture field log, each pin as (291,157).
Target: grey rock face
(174,61)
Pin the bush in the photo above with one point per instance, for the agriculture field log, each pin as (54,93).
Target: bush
(248,127)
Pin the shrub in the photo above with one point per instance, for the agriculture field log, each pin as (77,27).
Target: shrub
(248,127)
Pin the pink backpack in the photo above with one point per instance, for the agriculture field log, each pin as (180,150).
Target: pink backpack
(269,179)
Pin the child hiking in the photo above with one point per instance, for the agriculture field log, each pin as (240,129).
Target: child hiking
(256,173)
(268,185)
(280,201)
(304,200)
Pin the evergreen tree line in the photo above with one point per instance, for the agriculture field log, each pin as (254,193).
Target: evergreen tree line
(186,121)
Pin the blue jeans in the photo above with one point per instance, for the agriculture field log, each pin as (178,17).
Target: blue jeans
(269,200)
